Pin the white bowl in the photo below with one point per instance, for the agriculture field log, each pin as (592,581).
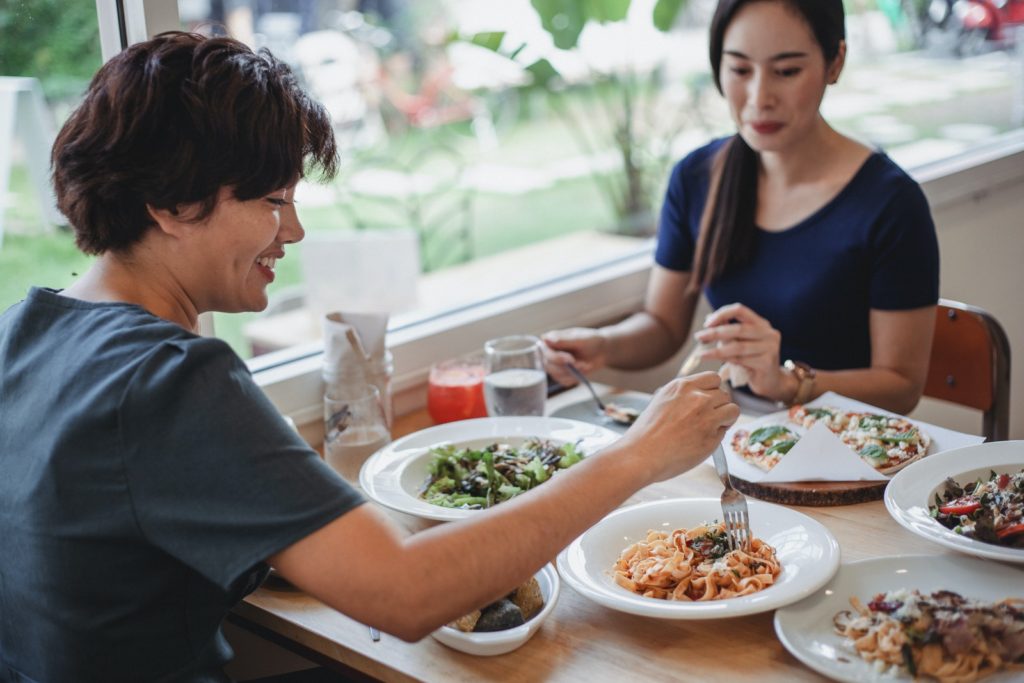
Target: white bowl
(808,552)
(911,492)
(499,642)
(805,628)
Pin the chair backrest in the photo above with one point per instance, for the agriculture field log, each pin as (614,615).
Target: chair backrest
(970,364)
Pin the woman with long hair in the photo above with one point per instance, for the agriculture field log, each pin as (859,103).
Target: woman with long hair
(817,253)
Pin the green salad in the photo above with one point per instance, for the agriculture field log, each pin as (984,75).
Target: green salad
(474,479)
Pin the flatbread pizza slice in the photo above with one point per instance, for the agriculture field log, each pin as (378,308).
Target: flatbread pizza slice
(765,446)
(835,419)
(885,442)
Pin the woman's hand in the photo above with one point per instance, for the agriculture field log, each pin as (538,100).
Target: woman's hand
(686,420)
(738,335)
(582,347)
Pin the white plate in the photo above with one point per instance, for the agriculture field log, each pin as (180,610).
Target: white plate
(586,410)
(394,475)
(806,627)
(500,642)
(808,552)
(912,490)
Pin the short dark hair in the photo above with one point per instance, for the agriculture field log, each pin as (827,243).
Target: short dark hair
(169,122)
(728,231)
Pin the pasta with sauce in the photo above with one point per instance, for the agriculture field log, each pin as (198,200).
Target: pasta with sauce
(943,635)
(695,565)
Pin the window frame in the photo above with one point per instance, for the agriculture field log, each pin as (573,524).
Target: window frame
(291,377)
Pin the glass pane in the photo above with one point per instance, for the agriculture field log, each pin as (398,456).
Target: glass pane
(49,51)
(451,126)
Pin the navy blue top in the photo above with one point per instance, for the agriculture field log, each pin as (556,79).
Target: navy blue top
(873,246)
(145,479)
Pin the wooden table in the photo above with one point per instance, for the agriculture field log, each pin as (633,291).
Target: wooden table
(580,641)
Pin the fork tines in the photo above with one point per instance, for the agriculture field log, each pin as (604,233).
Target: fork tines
(737,530)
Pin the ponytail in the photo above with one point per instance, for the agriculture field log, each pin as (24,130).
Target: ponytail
(727,229)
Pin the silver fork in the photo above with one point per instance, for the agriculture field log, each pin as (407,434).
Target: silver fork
(734,506)
(693,359)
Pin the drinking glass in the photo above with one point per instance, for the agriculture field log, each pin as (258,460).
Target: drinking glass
(456,390)
(515,383)
(354,428)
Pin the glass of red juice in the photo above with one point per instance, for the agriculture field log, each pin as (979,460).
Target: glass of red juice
(456,390)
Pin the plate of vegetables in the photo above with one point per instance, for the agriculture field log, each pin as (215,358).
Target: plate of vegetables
(459,469)
(969,499)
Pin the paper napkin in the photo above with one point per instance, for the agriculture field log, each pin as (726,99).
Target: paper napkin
(353,342)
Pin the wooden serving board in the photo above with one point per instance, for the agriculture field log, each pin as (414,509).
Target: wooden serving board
(815,493)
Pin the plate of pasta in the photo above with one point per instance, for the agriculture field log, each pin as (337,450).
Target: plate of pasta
(970,499)
(668,559)
(456,470)
(915,617)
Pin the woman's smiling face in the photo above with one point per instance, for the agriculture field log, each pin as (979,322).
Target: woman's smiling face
(773,75)
(237,248)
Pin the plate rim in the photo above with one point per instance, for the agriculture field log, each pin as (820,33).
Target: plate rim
(913,517)
(633,399)
(816,665)
(397,460)
(718,609)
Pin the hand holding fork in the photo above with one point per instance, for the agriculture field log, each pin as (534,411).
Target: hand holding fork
(734,503)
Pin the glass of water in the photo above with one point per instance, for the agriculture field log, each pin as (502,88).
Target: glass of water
(354,428)
(515,383)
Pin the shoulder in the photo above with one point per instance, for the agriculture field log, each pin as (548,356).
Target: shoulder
(883,177)
(185,360)
(697,164)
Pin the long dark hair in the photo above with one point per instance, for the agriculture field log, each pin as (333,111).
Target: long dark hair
(728,227)
(170,121)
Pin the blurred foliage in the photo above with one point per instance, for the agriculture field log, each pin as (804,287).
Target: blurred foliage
(56,41)
(625,105)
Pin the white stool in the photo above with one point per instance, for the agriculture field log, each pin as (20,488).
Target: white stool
(24,116)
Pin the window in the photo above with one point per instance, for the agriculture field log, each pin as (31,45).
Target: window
(450,128)
(50,50)
(513,181)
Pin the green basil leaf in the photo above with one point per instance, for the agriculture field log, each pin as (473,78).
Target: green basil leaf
(781,447)
(765,433)
(896,438)
(874,451)
(872,422)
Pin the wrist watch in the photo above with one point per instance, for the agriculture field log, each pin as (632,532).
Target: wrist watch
(805,375)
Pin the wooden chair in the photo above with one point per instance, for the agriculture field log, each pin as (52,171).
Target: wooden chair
(970,364)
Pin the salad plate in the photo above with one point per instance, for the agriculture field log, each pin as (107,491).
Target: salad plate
(806,629)
(911,493)
(807,551)
(395,475)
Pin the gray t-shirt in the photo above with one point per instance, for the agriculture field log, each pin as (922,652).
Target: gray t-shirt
(144,479)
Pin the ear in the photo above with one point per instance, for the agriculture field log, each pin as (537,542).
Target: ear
(168,221)
(836,67)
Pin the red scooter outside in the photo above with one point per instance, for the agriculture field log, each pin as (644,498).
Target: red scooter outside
(986,23)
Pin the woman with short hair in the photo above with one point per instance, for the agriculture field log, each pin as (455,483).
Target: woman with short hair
(147,481)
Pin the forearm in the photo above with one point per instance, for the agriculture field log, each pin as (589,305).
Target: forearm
(641,341)
(509,544)
(413,585)
(882,387)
